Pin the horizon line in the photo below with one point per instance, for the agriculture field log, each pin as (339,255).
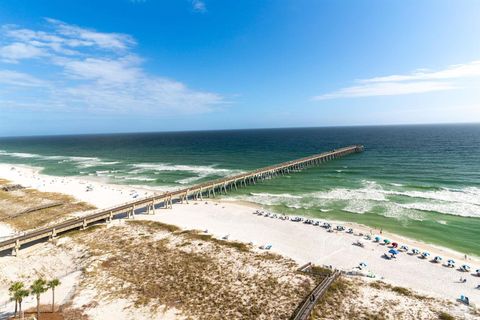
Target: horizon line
(243,129)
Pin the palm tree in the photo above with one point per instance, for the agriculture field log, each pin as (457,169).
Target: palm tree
(52,284)
(38,287)
(14,288)
(22,293)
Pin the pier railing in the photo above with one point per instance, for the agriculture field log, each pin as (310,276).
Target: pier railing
(305,309)
(165,200)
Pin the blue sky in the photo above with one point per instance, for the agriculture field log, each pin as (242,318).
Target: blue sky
(125,65)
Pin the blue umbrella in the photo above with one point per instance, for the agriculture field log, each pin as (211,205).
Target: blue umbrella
(465,267)
(377,239)
(393,251)
(386,241)
(425,254)
(437,259)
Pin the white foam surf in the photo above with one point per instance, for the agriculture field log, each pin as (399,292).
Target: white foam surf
(81,162)
(459,202)
(200,172)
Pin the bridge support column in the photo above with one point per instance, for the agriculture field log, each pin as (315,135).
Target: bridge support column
(16,248)
(53,235)
(153,207)
(131,213)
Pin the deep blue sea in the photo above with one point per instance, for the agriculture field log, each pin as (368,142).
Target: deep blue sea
(419,181)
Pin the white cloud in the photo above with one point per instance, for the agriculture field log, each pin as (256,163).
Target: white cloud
(93,71)
(121,70)
(471,69)
(14,78)
(419,81)
(199,6)
(17,51)
(77,37)
(386,89)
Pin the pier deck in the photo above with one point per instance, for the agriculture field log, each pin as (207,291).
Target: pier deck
(166,200)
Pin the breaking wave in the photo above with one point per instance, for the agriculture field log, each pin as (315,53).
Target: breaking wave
(372,196)
(81,162)
(199,171)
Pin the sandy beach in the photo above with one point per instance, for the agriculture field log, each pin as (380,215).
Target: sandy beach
(296,240)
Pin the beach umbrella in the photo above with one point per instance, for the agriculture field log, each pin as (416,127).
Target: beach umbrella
(386,241)
(362,265)
(437,259)
(465,267)
(377,239)
(425,254)
(393,251)
(394,244)
(404,248)
(478,272)
(415,251)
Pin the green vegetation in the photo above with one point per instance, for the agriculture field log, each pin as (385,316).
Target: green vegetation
(13,203)
(445,316)
(38,287)
(52,284)
(154,226)
(202,277)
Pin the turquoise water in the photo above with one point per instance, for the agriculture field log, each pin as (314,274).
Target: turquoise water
(418,181)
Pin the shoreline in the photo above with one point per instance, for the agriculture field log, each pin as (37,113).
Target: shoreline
(116,194)
(303,243)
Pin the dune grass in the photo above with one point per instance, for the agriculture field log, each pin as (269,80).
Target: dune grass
(158,266)
(13,203)
(351,298)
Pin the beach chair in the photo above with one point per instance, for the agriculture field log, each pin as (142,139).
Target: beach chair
(464,299)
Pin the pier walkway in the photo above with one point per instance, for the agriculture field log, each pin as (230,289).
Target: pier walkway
(166,200)
(306,308)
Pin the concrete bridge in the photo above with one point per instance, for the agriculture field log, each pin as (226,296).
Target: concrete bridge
(166,200)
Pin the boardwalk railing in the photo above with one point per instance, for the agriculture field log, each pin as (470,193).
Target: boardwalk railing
(306,308)
(165,200)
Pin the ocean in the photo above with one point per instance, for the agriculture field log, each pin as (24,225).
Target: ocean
(420,181)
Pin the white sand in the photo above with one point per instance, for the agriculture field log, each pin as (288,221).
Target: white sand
(307,243)
(303,243)
(42,260)
(102,195)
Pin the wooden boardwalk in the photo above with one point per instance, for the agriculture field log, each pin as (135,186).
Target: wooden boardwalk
(165,200)
(306,308)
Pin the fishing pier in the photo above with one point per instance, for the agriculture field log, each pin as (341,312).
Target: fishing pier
(166,200)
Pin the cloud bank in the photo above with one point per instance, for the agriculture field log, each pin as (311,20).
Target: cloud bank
(87,70)
(420,81)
